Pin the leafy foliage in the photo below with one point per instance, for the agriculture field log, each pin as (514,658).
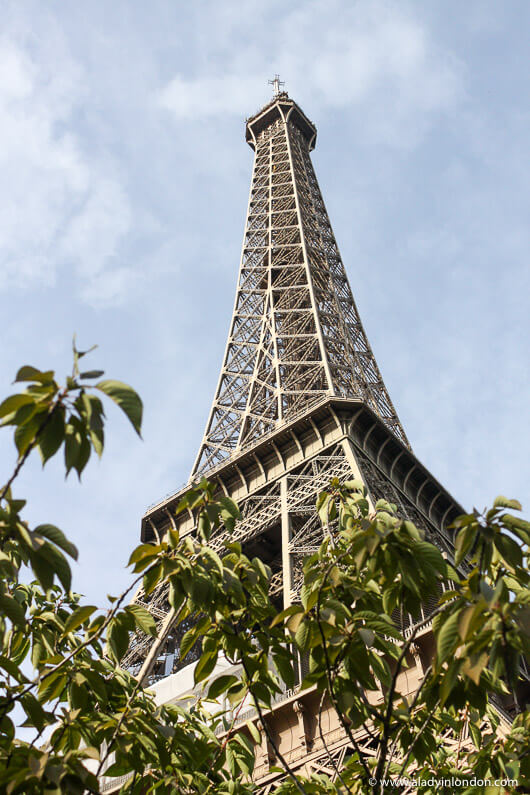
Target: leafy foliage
(60,658)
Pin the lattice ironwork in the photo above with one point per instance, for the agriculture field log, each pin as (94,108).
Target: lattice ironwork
(295,334)
(381,487)
(261,517)
(294,408)
(305,528)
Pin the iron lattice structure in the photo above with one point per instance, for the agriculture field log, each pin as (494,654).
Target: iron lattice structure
(295,335)
(300,400)
(276,483)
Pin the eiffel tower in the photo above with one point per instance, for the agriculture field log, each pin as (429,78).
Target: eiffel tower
(300,400)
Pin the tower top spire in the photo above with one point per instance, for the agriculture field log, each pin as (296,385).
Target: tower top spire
(281,106)
(277,83)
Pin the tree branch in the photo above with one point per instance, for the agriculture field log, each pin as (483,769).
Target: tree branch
(139,682)
(41,677)
(390,698)
(270,737)
(337,770)
(344,725)
(22,459)
(417,737)
(398,735)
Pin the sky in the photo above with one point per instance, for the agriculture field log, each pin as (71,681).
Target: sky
(124,181)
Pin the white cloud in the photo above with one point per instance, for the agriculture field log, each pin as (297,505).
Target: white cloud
(208,95)
(58,205)
(372,55)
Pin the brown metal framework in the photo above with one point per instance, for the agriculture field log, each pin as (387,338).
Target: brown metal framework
(300,400)
(276,483)
(296,335)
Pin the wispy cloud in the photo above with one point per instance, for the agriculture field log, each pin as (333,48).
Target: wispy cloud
(374,56)
(60,206)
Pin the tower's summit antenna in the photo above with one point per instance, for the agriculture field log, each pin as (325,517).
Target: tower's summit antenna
(276,82)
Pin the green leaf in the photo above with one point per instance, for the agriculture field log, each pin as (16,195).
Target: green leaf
(429,553)
(83,456)
(253,731)
(34,711)
(284,666)
(12,669)
(117,638)
(187,642)
(289,611)
(464,541)
(474,665)
(237,693)
(381,669)
(504,502)
(12,609)
(326,508)
(152,577)
(355,485)
(78,617)
(305,593)
(58,563)
(13,403)
(367,636)
(53,686)
(447,638)
(221,684)
(52,434)
(25,434)
(209,553)
(127,399)
(230,507)
(72,446)
(143,551)
(201,587)
(475,734)
(92,374)
(94,413)
(302,636)
(143,618)
(509,550)
(518,526)
(29,373)
(294,621)
(79,354)
(205,665)
(53,533)
(467,617)
(412,530)
(42,570)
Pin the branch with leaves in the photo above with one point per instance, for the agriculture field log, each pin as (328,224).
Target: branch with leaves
(61,659)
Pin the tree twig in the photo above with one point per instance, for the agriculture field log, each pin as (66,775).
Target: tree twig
(24,457)
(390,697)
(344,725)
(398,735)
(270,737)
(139,681)
(324,743)
(417,737)
(110,615)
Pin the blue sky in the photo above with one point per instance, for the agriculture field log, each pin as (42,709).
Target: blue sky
(123,187)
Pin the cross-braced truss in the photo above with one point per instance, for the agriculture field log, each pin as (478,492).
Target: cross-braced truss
(262,514)
(300,401)
(296,334)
